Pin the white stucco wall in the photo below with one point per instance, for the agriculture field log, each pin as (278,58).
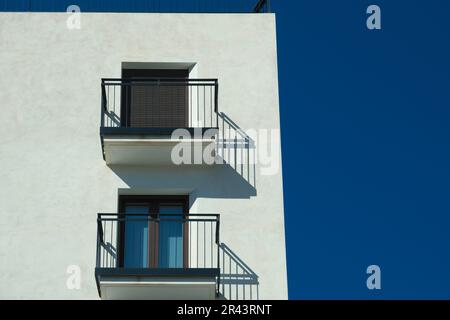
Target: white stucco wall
(53,179)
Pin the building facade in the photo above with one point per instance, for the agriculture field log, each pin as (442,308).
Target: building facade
(141,156)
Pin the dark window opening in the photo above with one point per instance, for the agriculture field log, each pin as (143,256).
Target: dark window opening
(157,104)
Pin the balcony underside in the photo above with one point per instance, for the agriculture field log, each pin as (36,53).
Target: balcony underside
(156,284)
(148,146)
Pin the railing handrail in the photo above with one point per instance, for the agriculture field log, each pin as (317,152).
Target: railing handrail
(188,82)
(160,79)
(215,215)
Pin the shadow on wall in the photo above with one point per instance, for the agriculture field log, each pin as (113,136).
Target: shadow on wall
(112,119)
(234,148)
(237,149)
(216,182)
(108,254)
(237,280)
(235,179)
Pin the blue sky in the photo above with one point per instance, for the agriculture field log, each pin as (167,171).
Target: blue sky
(365,121)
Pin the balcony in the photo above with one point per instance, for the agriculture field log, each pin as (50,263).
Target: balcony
(158,256)
(140,117)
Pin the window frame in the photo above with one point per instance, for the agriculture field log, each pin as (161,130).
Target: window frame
(153,202)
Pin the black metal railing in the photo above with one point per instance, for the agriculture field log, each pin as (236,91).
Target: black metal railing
(161,6)
(263,6)
(158,104)
(194,241)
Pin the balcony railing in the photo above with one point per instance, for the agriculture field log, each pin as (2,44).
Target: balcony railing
(158,105)
(262,6)
(158,245)
(160,6)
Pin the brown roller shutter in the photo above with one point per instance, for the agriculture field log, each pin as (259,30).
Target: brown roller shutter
(154,106)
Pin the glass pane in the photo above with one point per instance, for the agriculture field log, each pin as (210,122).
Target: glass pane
(171,237)
(136,237)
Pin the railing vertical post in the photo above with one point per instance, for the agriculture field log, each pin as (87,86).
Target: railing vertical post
(216,102)
(127,105)
(103,105)
(98,243)
(218,252)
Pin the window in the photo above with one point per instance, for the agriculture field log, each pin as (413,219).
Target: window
(153,232)
(156,104)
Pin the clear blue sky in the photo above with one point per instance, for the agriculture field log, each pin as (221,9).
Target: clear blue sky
(366,147)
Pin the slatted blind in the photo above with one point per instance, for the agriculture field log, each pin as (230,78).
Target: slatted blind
(154,106)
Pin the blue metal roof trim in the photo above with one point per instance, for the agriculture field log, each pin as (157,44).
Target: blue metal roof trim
(162,6)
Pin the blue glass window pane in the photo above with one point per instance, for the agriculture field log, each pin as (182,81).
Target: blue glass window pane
(170,251)
(136,238)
